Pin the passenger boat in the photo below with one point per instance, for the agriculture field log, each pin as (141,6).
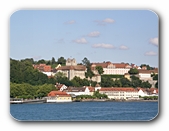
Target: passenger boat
(16,100)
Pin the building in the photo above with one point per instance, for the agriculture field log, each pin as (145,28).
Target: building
(127,75)
(120,93)
(58,96)
(45,69)
(72,69)
(146,75)
(76,91)
(147,92)
(112,68)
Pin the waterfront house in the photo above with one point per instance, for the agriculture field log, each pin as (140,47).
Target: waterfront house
(120,93)
(60,87)
(147,92)
(142,92)
(58,96)
(153,92)
(76,91)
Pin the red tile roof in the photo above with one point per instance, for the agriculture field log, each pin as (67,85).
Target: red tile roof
(91,89)
(148,71)
(119,89)
(43,67)
(105,65)
(59,93)
(77,67)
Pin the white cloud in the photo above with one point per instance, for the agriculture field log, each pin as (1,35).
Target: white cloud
(108,20)
(150,53)
(94,34)
(154,41)
(105,21)
(80,41)
(103,45)
(122,47)
(70,22)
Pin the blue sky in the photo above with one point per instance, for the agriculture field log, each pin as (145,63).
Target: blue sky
(129,36)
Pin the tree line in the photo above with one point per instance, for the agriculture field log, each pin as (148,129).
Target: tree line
(28,91)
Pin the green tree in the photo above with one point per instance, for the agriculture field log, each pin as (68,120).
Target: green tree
(156,85)
(99,69)
(125,82)
(147,66)
(133,71)
(23,72)
(107,82)
(42,61)
(61,61)
(86,62)
(53,61)
(155,77)
(117,83)
(146,85)
(89,72)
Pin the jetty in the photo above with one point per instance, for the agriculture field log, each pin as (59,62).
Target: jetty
(21,101)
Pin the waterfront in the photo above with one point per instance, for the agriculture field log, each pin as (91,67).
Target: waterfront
(85,111)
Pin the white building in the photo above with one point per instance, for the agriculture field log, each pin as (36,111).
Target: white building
(76,91)
(120,93)
(58,96)
(112,68)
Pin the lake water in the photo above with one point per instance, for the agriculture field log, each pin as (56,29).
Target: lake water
(85,111)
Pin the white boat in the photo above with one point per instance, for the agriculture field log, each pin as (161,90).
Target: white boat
(16,100)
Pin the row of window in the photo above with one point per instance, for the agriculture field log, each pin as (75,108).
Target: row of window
(60,98)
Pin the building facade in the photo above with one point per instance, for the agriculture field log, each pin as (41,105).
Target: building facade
(112,68)
(58,96)
(120,93)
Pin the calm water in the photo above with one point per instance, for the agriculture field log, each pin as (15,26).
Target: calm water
(85,111)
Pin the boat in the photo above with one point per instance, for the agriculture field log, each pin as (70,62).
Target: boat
(16,100)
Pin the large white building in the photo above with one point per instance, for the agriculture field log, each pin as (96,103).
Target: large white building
(112,68)
(120,93)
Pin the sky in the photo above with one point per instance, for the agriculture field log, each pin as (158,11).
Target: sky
(130,36)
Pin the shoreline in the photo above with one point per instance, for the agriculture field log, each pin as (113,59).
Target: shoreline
(104,100)
(84,100)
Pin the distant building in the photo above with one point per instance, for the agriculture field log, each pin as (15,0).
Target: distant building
(120,93)
(147,92)
(76,91)
(112,68)
(58,96)
(45,69)
(72,69)
(127,75)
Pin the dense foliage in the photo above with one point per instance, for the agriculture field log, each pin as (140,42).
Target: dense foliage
(100,69)
(23,72)
(147,66)
(108,81)
(133,71)
(28,91)
(89,73)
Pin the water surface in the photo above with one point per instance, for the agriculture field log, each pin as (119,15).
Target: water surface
(85,111)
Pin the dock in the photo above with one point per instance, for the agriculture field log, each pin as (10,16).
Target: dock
(21,101)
